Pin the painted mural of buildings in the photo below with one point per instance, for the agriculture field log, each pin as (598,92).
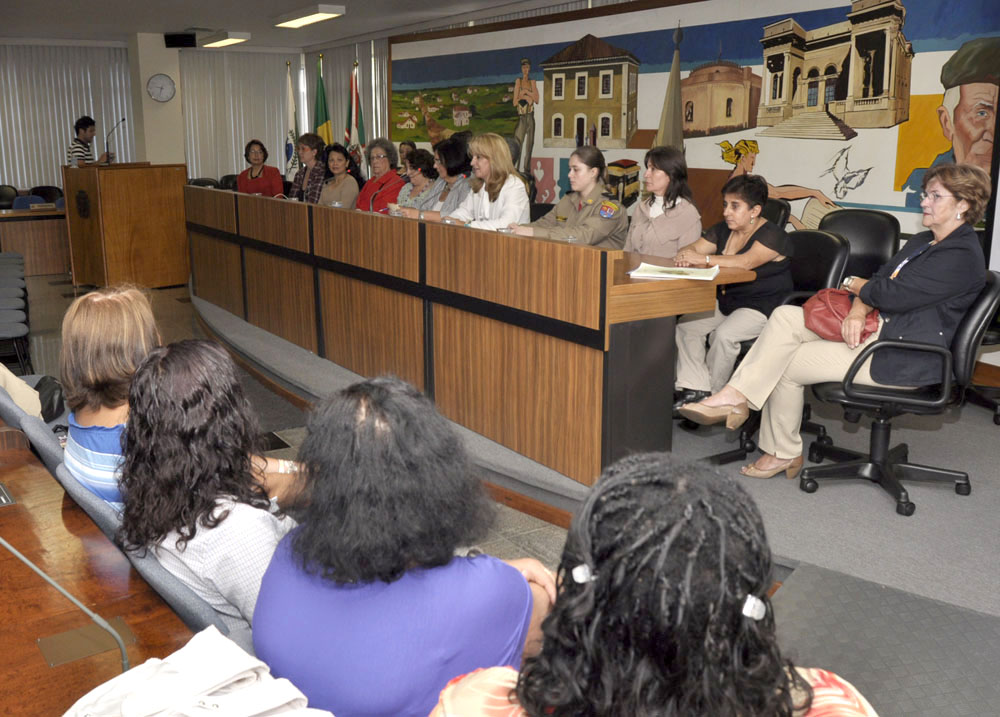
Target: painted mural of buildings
(590,84)
(460,115)
(719,97)
(821,83)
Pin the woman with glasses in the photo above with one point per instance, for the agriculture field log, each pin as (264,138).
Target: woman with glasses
(499,196)
(308,183)
(383,188)
(343,184)
(425,185)
(921,294)
(451,160)
(259,178)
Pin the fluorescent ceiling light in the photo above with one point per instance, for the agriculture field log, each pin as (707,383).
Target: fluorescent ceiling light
(224,39)
(308,15)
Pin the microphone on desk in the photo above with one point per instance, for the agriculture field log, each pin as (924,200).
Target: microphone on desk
(108,137)
(100,621)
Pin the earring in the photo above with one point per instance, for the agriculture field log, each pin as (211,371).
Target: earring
(752,220)
(958,216)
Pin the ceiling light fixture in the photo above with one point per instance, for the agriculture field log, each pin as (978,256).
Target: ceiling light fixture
(308,15)
(224,39)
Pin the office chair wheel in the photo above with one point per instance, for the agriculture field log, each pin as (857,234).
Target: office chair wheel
(688,425)
(906,509)
(963,488)
(824,440)
(808,485)
(814,455)
(996,417)
(749,445)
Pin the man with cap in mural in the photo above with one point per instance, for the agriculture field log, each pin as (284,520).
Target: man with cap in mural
(525,97)
(971,79)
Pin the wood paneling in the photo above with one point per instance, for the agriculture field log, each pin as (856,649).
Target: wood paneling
(54,533)
(372,330)
(554,279)
(218,272)
(86,228)
(537,395)
(373,241)
(280,298)
(214,208)
(276,221)
(706,186)
(44,243)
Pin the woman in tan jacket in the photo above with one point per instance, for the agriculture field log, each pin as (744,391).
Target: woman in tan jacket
(667,220)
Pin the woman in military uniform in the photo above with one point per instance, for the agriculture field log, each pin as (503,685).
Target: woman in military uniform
(586,215)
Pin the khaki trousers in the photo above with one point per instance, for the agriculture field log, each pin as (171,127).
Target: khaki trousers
(786,358)
(699,370)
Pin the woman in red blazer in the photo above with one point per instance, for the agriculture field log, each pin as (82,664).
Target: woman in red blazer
(259,178)
(383,187)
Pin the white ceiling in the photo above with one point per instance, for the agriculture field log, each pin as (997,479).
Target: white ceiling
(116,20)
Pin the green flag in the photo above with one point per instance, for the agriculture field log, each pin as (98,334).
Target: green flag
(321,115)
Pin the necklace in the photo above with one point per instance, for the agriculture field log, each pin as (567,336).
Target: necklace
(260,172)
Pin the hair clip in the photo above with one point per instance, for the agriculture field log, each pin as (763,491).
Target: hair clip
(754,608)
(582,574)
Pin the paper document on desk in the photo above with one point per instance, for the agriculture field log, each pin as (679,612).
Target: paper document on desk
(653,271)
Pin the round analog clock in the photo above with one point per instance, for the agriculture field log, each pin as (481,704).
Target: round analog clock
(161,87)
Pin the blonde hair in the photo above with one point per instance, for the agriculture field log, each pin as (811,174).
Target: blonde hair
(495,149)
(106,334)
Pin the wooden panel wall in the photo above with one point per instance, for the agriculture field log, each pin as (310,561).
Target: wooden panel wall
(276,221)
(372,241)
(372,330)
(214,208)
(706,186)
(145,237)
(554,279)
(535,394)
(280,298)
(218,272)
(44,243)
(85,232)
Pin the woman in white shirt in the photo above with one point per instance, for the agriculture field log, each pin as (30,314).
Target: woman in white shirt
(499,196)
(666,220)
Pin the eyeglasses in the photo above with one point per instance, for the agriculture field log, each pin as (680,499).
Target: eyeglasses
(934,196)
(380,156)
(255,151)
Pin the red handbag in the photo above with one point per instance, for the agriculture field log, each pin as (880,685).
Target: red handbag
(826,310)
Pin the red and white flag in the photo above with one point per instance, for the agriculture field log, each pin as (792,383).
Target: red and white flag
(354,134)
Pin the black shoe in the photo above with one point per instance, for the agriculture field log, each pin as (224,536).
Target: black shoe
(687,395)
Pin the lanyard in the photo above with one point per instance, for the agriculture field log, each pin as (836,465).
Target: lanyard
(906,261)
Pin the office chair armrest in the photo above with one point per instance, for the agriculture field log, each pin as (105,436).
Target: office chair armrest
(797,298)
(876,393)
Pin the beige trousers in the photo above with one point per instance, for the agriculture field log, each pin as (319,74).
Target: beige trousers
(701,370)
(773,375)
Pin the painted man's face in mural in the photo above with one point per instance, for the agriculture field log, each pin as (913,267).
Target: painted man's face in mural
(971,129)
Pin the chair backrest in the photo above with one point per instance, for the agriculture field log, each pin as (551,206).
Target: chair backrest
(539,210)
(26,201)
(819,259)
(204,182)
(777,211)
(100,511)
(228,181)
(970,332)
(45,443)
(873,236)
(61,203)
(47,192)
(7,196)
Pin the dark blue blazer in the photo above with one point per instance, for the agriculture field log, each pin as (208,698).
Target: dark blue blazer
(925,302)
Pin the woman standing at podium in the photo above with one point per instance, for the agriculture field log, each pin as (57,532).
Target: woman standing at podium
(259,178)
(308,183)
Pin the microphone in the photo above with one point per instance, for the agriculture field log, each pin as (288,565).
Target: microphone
(108,137)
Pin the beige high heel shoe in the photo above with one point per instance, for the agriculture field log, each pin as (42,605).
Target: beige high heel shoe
(733,415)
(791,467)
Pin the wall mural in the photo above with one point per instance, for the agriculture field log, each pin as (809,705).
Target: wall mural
(834,103)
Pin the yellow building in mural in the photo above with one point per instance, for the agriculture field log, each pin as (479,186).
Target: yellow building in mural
(590,86)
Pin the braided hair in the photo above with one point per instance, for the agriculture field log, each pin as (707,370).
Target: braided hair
(673,549)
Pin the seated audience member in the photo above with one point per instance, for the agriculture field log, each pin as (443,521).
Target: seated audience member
(662,609)
(308,183)
(259,178)
(106,334)
(499,196)
(922,294)
(587,214)
(365,606)
(382,189)
(424,186)
(406,147)
(344,183)
(666,220)
(745,240)
(188,479)
(451,160)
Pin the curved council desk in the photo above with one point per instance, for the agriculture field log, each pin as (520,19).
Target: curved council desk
(547,348)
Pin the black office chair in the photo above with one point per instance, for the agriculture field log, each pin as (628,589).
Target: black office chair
(204,182)
(228,181)
(886,466)
(987,396)
(539,210)
(818,263)
(873,236)
(48,193)
(776,211)
(7,196)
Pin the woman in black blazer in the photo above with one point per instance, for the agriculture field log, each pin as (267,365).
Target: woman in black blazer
(922,294)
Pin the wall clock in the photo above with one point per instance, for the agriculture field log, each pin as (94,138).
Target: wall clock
(161,87)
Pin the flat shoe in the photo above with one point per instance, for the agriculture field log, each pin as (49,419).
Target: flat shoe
(791,467)
(733,416)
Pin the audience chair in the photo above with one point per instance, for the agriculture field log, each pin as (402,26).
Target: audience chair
(46,444)
(100,511)
(204,182)
(873,236)
(8,303)
(26,201)
(987,396)
(228,181)
(48,193)
(7,196)
(10,413)
(537,211)
(286,187)
(888,467)
(61,203)
(10,290)
(777,211)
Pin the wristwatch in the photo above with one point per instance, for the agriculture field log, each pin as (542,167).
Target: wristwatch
(847,282)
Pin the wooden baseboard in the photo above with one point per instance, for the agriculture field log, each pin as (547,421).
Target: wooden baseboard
(986,374)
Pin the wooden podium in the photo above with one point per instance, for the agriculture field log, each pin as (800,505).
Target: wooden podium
(126,224)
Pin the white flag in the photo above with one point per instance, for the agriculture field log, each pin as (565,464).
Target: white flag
(292,134)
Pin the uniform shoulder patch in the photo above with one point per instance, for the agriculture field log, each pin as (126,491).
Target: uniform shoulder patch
(608,209)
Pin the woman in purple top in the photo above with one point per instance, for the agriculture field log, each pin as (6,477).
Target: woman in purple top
(365,607)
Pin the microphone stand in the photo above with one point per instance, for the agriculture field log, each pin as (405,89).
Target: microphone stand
(108,137)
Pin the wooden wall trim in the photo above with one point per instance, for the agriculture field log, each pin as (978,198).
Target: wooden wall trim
(214,208)
(275,221)
(370,241)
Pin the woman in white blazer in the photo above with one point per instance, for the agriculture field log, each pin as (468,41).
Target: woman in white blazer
(499,196)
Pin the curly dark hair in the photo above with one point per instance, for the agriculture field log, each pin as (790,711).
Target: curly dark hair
(751,188)
(188,441)
(387,486)
(675,549)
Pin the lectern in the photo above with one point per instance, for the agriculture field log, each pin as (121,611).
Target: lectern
(126,224)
